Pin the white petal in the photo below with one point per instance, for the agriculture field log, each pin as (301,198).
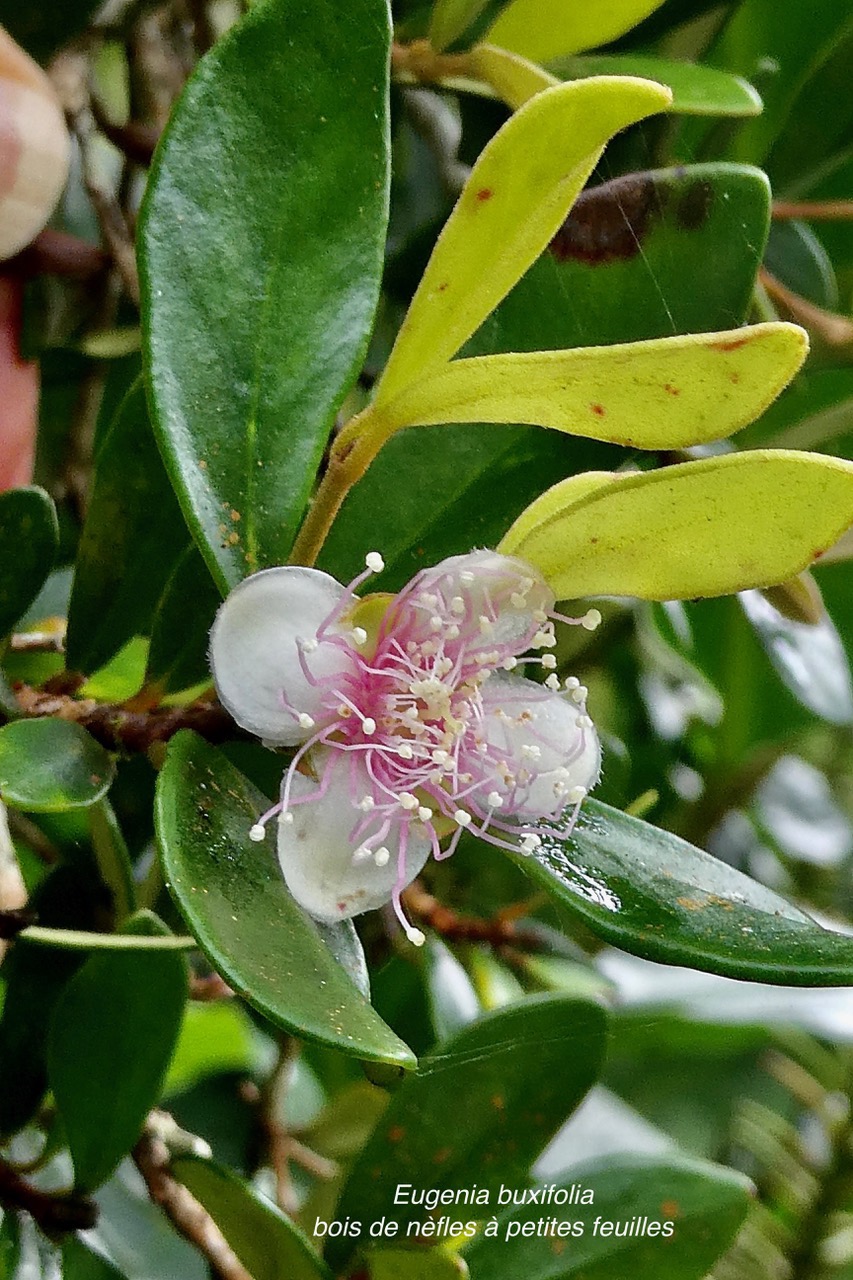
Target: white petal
(316,849)
(254,656)
(568,756)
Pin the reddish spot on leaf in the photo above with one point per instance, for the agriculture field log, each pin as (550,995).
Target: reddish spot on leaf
(442,287)
(671,390)
(731,344)
(598,409)
(485,193)
(734,378)
(397,1134)
(498,1102)
(670,1209)
(443,1155)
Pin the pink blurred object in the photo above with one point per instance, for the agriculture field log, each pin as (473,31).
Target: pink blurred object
(19,393)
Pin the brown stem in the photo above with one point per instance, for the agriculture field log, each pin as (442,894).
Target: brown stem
(54,1212)
(835,330)
(420,61)
(208,988)
(816,210)
(278,1140)
(500,931)
(118,729)
(188,1217)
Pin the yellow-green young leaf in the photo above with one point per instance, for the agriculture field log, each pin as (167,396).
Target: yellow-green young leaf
(706,528)
(544,29)
(519,192)
(450,18)
(669,393)
(513,78)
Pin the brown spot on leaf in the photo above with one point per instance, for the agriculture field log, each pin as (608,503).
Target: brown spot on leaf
(443,1155)
(694,206)
(670,1209)
(442,287)
(485,193)
(610,222)
(397,1134)
(730,344)
(671,390)
(498,1102)
(598,409)
(734,378)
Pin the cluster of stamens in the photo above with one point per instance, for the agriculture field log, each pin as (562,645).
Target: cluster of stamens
(440,739)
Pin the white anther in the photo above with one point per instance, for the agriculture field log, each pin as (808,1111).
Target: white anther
(404,751)
(305,721)
(517,600)
(549,662)
(585,722)
(457,606)
(257,833)
(577,794)
(509,664)
(452,633)
(486,624)
(530,841)
(366,803)
(287,819)
(407,800)
(591,619)
(461,818)
(308,645)
(571,682)
(579,693)
(368,725)
(425,814)
(363,853)
(359,635)
(411,713)
(539,615)
(553,683)
(544,640)
(429,600)
(467,577)
(374,562)
(440,756)
(382,856)
(415,936)
(530,751)
(436,623)
(494,799)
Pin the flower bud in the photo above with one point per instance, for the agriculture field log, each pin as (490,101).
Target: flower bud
(34,148)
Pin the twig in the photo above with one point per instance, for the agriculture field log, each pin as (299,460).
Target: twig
(188,1217)
(835,330)
(209,987)
(815,210)
(32,835)
(54,1212)
(500,931)
(277,1138)
(118,729)
(13,920)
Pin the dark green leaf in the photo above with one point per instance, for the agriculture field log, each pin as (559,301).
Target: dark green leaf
(669,251)
(48,766)
(246,192)
(795,256)
(233,897)
(133,533)
(79,1262)
(177,658)
(653,894)
(35,979)
(264,1240)
(480,1109)
(420,1264)
(28,540)
(702,1204)
(696,90)
(110,1043)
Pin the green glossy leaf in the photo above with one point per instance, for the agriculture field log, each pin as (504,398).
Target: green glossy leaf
(642,257)
(513,1077)
(216,1038)
(264,1240)
(133,532)
(79,1262)
(653,894)
(181,624)
(779,56)
(50,766)
(28,542)
(246,380)
(808,657)
(545,29)
(111,1038)
(523,184)
(702,528)
(796,257)
(665,394)
(450,18)
(696,90)
(35,980)
(233,896)
(113,859)
(411,1264)
(702,1205)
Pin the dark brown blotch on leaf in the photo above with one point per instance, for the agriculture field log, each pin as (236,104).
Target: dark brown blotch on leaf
(610,222)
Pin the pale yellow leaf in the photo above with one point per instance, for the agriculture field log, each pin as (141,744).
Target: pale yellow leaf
(705,528)
(545,29)
(513,78)
(519,192)
(668,393)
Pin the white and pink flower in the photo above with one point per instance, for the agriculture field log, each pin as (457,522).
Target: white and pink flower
(411,721)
